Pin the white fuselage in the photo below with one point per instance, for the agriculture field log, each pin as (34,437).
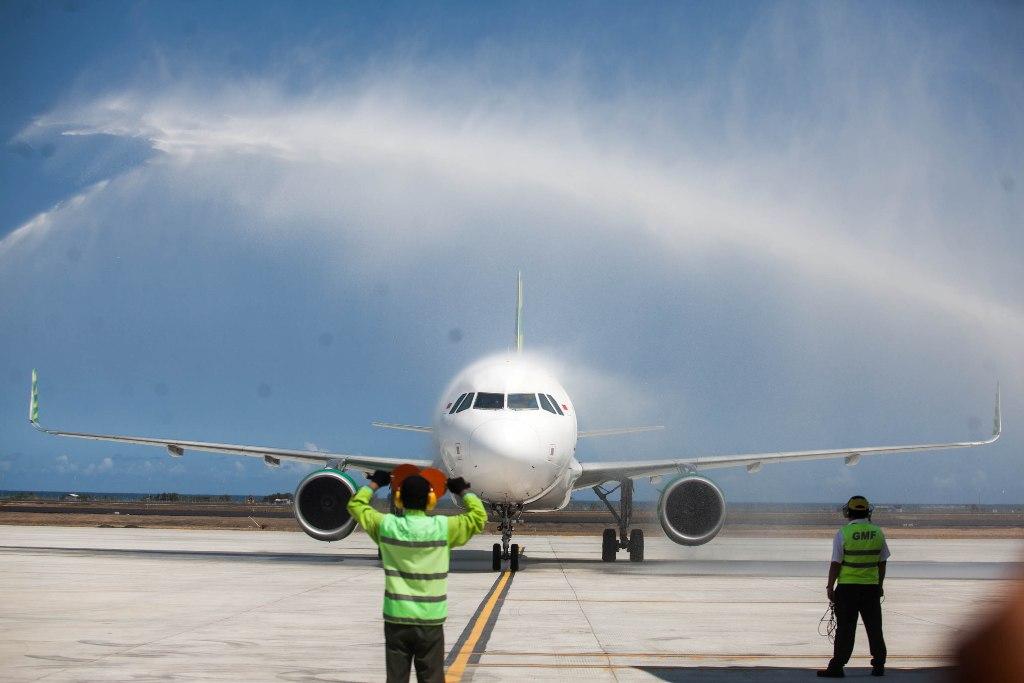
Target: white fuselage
(513,436)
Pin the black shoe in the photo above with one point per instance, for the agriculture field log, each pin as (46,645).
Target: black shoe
(878,671)
(831,673)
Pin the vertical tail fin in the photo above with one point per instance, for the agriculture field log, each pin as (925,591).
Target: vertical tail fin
(519,312)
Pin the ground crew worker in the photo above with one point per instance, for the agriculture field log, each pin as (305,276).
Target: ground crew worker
(414,552)
(859,554)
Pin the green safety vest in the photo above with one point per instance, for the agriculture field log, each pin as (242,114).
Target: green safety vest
(414,552)
(862,552)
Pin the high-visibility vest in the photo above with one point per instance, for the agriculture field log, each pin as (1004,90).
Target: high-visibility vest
(414,552)
(862,552)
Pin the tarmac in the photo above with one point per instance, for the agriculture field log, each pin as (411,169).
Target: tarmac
(81,604)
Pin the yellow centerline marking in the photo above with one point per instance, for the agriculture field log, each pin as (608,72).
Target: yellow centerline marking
(458,667)
(683,655)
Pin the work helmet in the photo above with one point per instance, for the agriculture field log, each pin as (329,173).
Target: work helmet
(858,504)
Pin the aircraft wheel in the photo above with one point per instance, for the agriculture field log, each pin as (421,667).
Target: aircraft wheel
(609,546)
(496,557)
(513,560)
(636,545)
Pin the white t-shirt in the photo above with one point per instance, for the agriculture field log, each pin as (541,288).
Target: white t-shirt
(837,545)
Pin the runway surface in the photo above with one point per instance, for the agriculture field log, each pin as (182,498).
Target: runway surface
(82,604)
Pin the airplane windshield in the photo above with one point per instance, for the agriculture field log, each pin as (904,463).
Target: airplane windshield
(485,401)
(555,404)
(546,404)
(466,403)
(455,406)
(522,401)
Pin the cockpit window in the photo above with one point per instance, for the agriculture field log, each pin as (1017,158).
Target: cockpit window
(555,404)
(485,401)
(522,401)
(466,403)
(455,406)
(546,404)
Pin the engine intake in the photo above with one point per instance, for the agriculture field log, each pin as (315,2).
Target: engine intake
(321,501)
(691,510)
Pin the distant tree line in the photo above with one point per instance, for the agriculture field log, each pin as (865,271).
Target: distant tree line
(189,498)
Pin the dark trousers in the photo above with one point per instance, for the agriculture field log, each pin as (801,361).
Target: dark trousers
(851,600)
(421,645)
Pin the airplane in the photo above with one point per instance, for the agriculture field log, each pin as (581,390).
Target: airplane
(509,427)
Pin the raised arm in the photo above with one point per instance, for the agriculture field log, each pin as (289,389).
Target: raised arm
(362,511)
(463,527)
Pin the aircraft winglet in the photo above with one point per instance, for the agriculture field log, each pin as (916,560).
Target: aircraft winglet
(33,404)
(997,425)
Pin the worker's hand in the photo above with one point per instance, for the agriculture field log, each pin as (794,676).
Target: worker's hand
(458,485)
(831,593)
(381,478)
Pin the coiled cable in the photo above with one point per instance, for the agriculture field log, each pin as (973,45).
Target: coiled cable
(827,623)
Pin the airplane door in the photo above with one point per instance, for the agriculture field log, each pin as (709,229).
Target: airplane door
(457,453)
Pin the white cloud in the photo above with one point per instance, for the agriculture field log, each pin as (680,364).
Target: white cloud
(38,226)
(66,465)
(873,196)
(105,465)
(610,400)
(426,167)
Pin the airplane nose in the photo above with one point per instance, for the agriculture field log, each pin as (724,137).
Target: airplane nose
(507,461)
(504,440)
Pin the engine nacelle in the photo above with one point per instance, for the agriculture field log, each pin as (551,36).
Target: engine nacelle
(691,510)
(321,505)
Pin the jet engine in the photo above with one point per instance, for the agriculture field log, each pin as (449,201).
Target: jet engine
(691,510)
(320,506)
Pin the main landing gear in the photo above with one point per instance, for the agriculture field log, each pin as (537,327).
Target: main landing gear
(623,539)
(508,515)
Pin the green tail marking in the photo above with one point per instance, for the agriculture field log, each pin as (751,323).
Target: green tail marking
(997,426)
(33,406)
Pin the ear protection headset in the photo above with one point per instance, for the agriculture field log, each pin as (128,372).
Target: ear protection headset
(431,500)
(434,477)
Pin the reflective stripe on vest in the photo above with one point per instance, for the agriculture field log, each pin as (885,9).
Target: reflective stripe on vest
(414,552)
(862,552)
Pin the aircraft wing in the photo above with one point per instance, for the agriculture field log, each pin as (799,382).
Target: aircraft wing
(271,456)
(591,433)
(402,427)
(600,472)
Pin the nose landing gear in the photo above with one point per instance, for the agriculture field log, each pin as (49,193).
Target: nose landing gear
(512,555)
(614,540)
(508,515)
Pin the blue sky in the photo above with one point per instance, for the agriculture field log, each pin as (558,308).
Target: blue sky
(773,227)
